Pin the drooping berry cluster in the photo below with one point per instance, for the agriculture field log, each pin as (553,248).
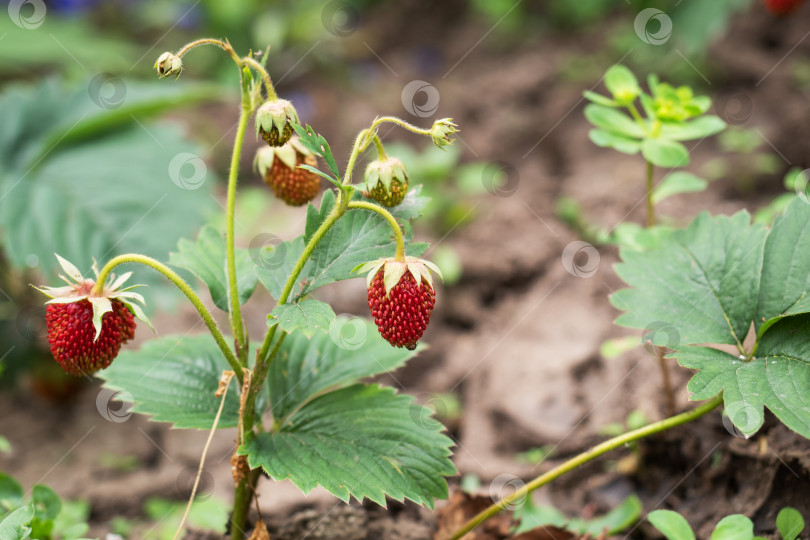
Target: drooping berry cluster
(72,336)
(403,314)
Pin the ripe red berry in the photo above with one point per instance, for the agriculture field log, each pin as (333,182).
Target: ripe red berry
(72,336)
(401,298)
(86,325)
(782,7)
(279,168)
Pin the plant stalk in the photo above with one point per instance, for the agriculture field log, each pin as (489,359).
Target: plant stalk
(585,457)
(650,203)
(172,276)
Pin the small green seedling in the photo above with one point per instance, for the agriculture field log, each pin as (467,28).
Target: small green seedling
(673,526)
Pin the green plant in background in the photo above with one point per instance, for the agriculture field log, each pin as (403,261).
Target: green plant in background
(531,516)
(42,515)
(308,367)
(673,526)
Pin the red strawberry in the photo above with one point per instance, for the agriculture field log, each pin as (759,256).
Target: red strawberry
(279,167)
(87,328)
(401,298)
(386,181)
(782,7)
(274,120)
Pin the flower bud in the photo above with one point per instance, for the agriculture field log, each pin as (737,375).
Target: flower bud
(274,121)
(168,64)
(442,131)
(386,181)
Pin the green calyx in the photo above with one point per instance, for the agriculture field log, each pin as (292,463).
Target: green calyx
(274,121)
(386,181)
(168,64)
(442,132)
(287,154)
(393,271)
(78,288)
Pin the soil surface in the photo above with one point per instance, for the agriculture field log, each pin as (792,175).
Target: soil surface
(518,337)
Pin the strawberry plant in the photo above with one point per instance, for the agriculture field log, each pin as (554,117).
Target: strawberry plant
(789,523)
(296,395)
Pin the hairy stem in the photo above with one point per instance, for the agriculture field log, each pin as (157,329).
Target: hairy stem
(669,395)
(381,155)
(650,203)
(400,253)
(184,288)
(268,84)
(224,45)
(585,457)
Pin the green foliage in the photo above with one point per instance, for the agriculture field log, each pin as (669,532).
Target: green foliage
(86,180)
(360,441)
(316,144)
(531,516)
(43,515)
(206,514)
(673,526)
(672,115)
(308,316)
(205,258)
(708,284)
(360,236)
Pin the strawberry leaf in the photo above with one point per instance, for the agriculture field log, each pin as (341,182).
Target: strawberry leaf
(362,442)
(308,316)
(316,144)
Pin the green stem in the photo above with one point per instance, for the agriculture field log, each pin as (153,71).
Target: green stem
(185,288)
(650,203)
(400,123)
(243,495)
(400,253)
(224,45)
(268,84)
(381,155)
(360,144)
(236,311)
(585,457)
(636,116)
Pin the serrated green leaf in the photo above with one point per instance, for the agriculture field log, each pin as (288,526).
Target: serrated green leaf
(613,121)
(11,493)
(173,379)
(362,442)
(664,153)
(316,144)
(307,316)
(605,139)
(305,368)
(790,523)
(15,526)
(621,82)
(205,258)
(678,182)
(359,236)
(697,128)
(320,173)
(702,281)
(671,524)
(785,283)
(734,527)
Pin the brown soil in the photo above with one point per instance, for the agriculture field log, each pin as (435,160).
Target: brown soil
(518,337)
